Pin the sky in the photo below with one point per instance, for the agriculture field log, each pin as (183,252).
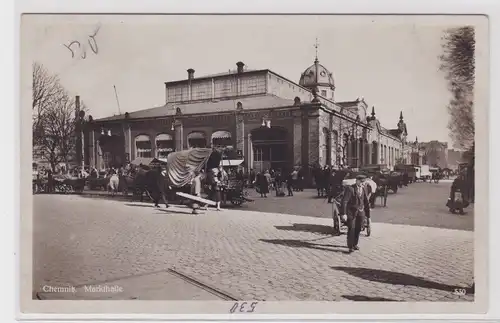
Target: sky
(392,63)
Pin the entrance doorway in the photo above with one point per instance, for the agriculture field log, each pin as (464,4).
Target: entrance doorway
(112,150)
(270,148)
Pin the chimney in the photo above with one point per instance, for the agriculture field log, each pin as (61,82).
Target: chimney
(77,107)
(240,67)
(190,74)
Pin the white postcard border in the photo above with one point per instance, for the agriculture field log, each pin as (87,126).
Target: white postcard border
(281,308)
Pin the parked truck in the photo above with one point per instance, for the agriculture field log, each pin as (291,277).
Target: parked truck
(425,173)
(408,169)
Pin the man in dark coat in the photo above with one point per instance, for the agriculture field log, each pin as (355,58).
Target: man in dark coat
(354,206)
(455,203)
(153,183)
(331,185)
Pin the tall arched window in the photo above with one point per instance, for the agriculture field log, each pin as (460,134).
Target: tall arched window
(143,146)
(374,153)
(326,148)
(164,145)
(197,139)
(335,147)
(346,154)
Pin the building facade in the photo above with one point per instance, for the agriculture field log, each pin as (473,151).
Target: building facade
(268,119)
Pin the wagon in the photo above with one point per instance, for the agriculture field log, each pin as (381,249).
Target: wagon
(234,192)
(337,222)
(68,184)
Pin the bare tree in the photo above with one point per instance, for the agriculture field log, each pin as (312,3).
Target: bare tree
(54,124)
(458,62)
(46,90)
(58,132)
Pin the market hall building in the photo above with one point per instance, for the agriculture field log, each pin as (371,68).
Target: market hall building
(271,121)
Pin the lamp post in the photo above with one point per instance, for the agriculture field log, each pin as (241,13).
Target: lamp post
(266,122)
(83,124)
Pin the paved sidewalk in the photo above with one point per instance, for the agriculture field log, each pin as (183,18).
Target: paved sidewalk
(251,255)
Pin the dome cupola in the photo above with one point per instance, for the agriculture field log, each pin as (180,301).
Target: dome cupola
(318,77)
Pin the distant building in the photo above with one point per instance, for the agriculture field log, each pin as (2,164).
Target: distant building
(270,120)
(435,153)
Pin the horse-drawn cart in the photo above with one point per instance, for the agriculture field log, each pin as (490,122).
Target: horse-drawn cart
(68,184)
(234,190)
(337,221)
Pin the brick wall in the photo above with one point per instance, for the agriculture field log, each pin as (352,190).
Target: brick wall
(313,136)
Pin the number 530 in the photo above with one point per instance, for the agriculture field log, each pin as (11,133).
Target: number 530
(243,307)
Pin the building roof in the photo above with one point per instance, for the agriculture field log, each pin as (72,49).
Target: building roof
(248,103)
(217,75)
(348,104)
(394,132)
(230,72)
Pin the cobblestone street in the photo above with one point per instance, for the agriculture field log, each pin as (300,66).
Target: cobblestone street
(420,204)
(412,254)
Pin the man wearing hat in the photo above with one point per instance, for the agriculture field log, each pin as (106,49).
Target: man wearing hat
(353,208)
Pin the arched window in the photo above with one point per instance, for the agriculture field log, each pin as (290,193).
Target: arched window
(143,146)
(353,156)
(345,150)
(374,153)
(335,147)
(326,148)
(221,138)
(197,140)
(164,145)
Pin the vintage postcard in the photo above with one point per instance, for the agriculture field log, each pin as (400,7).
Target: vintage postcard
(254,164)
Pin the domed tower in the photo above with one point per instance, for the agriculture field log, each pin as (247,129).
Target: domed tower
(319,78)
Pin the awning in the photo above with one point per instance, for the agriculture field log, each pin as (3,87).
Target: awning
(231,162)
(142,138)
(196,135)
(221,134)
(164,137)
(142,160)
(148,161)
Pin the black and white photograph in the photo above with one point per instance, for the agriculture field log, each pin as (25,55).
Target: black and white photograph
(256,158)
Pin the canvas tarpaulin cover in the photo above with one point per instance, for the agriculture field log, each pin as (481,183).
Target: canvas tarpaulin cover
(181,165)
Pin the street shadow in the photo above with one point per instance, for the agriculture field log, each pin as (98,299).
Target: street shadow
(305,244)
(395,278)
(361,298)
(307,227)
(169,211)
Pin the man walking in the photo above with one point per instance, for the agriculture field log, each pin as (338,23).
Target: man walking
(354,207)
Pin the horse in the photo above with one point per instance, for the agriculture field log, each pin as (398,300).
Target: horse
(382,182)
(153,183)
(113,184)
(320,180)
